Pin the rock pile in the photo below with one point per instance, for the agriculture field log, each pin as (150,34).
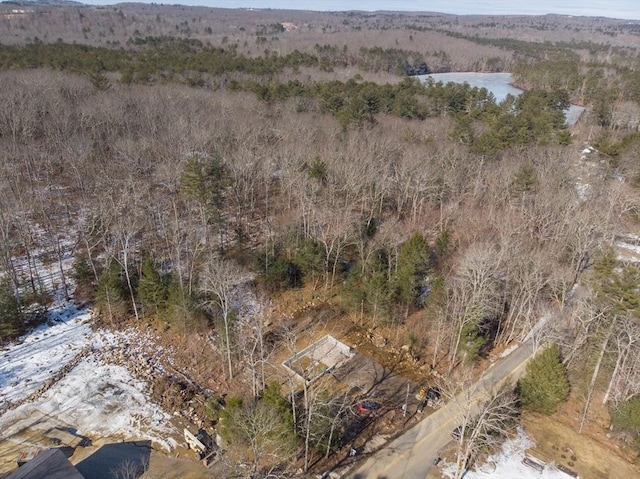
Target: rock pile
(57,376)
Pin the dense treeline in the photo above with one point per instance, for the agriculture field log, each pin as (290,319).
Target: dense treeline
(158,58)
(347,188)
(373,59)
(540,50)
(153,58)
(455,250)
(158,178)
(592,87)
(353,101)
(607,73)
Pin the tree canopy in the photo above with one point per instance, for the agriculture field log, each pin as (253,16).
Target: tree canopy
(545,384)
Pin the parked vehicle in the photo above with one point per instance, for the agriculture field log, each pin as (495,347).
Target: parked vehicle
(434,394)
(430,397)
(434,397)
(367,408)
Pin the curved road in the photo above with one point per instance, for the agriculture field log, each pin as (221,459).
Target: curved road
(411,455)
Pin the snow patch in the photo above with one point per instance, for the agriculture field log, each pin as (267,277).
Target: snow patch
(95,397)
(62,372)
(628,248)
(25,366)
(582,189)
(509,350)
(538,326)
(98,399)
(507,463)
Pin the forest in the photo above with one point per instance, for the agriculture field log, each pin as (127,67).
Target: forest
(221,151)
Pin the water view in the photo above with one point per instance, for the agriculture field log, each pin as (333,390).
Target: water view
(497,83)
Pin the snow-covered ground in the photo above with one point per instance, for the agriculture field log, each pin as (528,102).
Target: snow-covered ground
(99,400)
(628,247)
(65,373)
(95,397)
(26,365)
(507,463)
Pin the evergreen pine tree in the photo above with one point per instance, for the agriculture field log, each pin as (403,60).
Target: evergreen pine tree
(111,294)
(604,263)
(309,257)
(627,416)
(10,315)
(617,289)
(413,266)
(152,289)
(545,384)
(203,179)
(181,310)
(378,296)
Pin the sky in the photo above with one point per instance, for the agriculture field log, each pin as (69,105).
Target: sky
(627,9)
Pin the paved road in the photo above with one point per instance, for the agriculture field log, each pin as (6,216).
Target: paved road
(411,455)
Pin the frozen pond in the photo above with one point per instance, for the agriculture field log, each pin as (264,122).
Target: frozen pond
(497,83)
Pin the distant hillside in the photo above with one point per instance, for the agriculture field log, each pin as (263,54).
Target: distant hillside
(27,3)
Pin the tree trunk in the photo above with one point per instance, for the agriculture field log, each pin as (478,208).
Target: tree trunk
(226,333)
(125,261)
(307,420)
(596,370)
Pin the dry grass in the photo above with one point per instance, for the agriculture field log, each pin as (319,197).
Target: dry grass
(164,467)
(593,459)
(559,442)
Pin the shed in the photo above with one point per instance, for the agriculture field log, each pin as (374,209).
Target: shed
(49,464)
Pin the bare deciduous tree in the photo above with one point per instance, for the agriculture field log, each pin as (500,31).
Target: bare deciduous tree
(484,418)
(474,294)
(218,279)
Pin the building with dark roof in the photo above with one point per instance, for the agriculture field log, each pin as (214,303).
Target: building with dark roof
(49,464)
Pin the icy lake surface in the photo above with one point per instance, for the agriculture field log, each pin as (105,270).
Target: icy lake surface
(497,83)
